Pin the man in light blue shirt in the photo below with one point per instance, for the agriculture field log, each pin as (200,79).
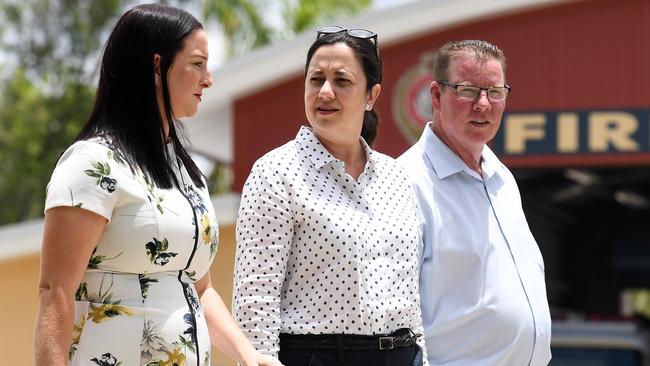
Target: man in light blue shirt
(482,283)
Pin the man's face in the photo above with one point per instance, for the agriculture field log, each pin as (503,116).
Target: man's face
(465,126)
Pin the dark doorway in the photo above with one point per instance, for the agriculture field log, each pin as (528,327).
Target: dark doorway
(593,228)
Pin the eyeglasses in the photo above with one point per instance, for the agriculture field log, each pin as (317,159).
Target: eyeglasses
(471,93)
(354,32)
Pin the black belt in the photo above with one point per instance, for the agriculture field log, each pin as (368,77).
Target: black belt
(403,337)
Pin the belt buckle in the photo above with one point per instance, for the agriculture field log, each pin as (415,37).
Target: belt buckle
(386,343)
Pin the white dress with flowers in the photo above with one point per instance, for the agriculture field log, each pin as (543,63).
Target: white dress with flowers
(137,304)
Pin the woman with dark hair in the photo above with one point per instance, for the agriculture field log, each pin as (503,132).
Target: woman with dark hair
(130,230)
(327,263)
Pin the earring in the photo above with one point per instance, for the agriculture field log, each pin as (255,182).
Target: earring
(157,82)
(368,107)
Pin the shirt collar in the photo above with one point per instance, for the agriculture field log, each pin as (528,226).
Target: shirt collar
(490,163)
(446,162)
(318,154)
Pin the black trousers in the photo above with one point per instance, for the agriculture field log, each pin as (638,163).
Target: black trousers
(401,356)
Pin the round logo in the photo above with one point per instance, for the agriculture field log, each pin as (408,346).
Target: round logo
(411,102)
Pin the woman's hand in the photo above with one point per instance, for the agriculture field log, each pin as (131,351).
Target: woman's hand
(262,360)
(224,332)
(265,360)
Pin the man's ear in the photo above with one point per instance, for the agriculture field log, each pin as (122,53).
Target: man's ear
(156,68)
(434,89)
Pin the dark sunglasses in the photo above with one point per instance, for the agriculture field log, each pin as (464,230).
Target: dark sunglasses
(354,32)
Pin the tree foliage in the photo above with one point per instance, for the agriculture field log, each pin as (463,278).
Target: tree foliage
(55,41)
(36,127)
(246,27)
(54,46)
(300,15)
(241,22)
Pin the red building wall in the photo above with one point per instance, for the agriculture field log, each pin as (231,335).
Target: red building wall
(585,55)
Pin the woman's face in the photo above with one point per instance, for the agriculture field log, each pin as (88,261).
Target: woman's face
(189,75)
(335,94)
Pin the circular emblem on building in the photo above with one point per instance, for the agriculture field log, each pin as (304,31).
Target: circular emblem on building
(411,102)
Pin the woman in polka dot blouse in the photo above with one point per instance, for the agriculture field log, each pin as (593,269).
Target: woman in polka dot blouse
(327,242)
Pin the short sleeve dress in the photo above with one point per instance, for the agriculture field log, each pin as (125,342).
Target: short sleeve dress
(137,304)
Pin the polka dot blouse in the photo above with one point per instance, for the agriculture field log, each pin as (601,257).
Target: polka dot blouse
(321,253)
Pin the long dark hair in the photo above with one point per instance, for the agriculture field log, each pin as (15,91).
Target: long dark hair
(370,59)
(126,109)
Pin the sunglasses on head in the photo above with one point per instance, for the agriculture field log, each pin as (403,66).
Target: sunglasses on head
(354,32)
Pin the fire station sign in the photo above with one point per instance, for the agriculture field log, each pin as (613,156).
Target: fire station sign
(574,132)
(538,138)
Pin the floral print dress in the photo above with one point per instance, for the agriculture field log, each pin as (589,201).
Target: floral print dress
(137,304)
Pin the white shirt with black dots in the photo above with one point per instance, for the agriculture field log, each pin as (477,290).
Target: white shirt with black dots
(321,253)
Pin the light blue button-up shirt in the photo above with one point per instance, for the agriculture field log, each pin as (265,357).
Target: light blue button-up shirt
(482,288)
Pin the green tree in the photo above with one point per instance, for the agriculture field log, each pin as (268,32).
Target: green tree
(300,15)
(52,48)
(241,23)
(245,28)
(36,127)
(55,41)
(58,42)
